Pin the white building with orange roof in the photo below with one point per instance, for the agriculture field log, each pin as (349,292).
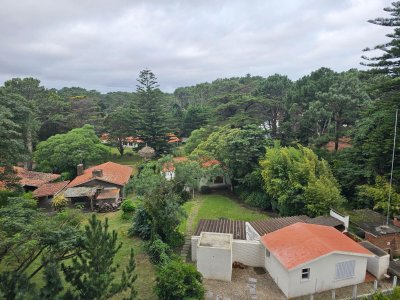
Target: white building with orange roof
(304,259)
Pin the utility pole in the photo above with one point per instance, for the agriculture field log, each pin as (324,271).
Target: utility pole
(391,171)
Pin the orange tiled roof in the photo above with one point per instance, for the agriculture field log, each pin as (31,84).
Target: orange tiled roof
(170,167)
(210,163)
(301,242)
(112,172)
(36,179)
(50,189)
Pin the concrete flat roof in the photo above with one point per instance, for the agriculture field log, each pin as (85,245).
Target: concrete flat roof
(215,240)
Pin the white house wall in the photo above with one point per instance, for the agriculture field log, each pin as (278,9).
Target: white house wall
(215,263)
(322,275)
(278,273)
(378,266)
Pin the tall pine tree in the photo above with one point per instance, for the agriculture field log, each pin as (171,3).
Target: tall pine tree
(91,274)
(151,112)
(389,61)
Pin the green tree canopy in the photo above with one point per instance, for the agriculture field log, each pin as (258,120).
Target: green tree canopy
(387,62)
(63,152)
(151,112)
(298,182)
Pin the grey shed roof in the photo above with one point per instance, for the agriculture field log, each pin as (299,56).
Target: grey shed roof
(83,191)
(270,225)
(374,249)
(236,228)
(326,220)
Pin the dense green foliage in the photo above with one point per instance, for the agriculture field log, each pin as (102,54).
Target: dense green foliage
(63,152)
(178,281)
(298,182)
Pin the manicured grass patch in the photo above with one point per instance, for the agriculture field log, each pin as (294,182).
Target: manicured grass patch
(187,206)
(217,206)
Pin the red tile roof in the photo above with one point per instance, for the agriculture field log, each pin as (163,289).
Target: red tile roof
(50,189)
(112,172)
(344,142)
(36,179)
(299,243)
(210,163)
(170,167)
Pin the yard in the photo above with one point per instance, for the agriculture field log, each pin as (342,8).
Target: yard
(215,206)
(144,269)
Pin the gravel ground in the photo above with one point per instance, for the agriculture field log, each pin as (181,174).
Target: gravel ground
(266,289)
(239,288)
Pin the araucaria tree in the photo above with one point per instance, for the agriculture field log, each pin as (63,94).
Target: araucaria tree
(388,62)
(298,182)
(151,112)
(91,274)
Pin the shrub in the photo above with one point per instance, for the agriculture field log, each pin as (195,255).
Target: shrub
(128,206)
(59,202)
(141,223)
(177,281)
(205,189)
(158,251)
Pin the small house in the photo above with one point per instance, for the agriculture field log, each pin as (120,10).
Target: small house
(304,259)
(99,184)
(46,192)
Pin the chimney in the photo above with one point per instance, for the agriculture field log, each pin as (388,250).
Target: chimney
(79,169)
(97,173)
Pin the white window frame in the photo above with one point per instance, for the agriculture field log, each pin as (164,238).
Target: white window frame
(303,272)
(267,253)
(353,271)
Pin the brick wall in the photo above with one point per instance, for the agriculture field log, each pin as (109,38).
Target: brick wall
(386,242)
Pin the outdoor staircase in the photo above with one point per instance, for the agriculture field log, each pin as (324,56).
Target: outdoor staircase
(186,249)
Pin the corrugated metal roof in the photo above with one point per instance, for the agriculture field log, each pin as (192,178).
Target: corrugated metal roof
(326,220)
(236,228)
(270,225)
(80,192)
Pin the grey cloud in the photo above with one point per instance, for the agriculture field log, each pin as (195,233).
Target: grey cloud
(104,44)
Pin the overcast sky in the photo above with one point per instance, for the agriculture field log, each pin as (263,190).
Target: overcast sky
(104,44)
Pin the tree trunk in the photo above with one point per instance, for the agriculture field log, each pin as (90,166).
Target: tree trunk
(121,147)
(29,146)
(337,126)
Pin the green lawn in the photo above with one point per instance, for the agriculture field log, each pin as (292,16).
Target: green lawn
(144,269)
(215,206)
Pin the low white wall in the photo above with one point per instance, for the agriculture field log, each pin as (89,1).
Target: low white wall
(378,266)
(344,219)
(251,233)
(194,243)
(249,253)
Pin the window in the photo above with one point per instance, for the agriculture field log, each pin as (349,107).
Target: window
(345,269)
(305,274)
(267,253)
